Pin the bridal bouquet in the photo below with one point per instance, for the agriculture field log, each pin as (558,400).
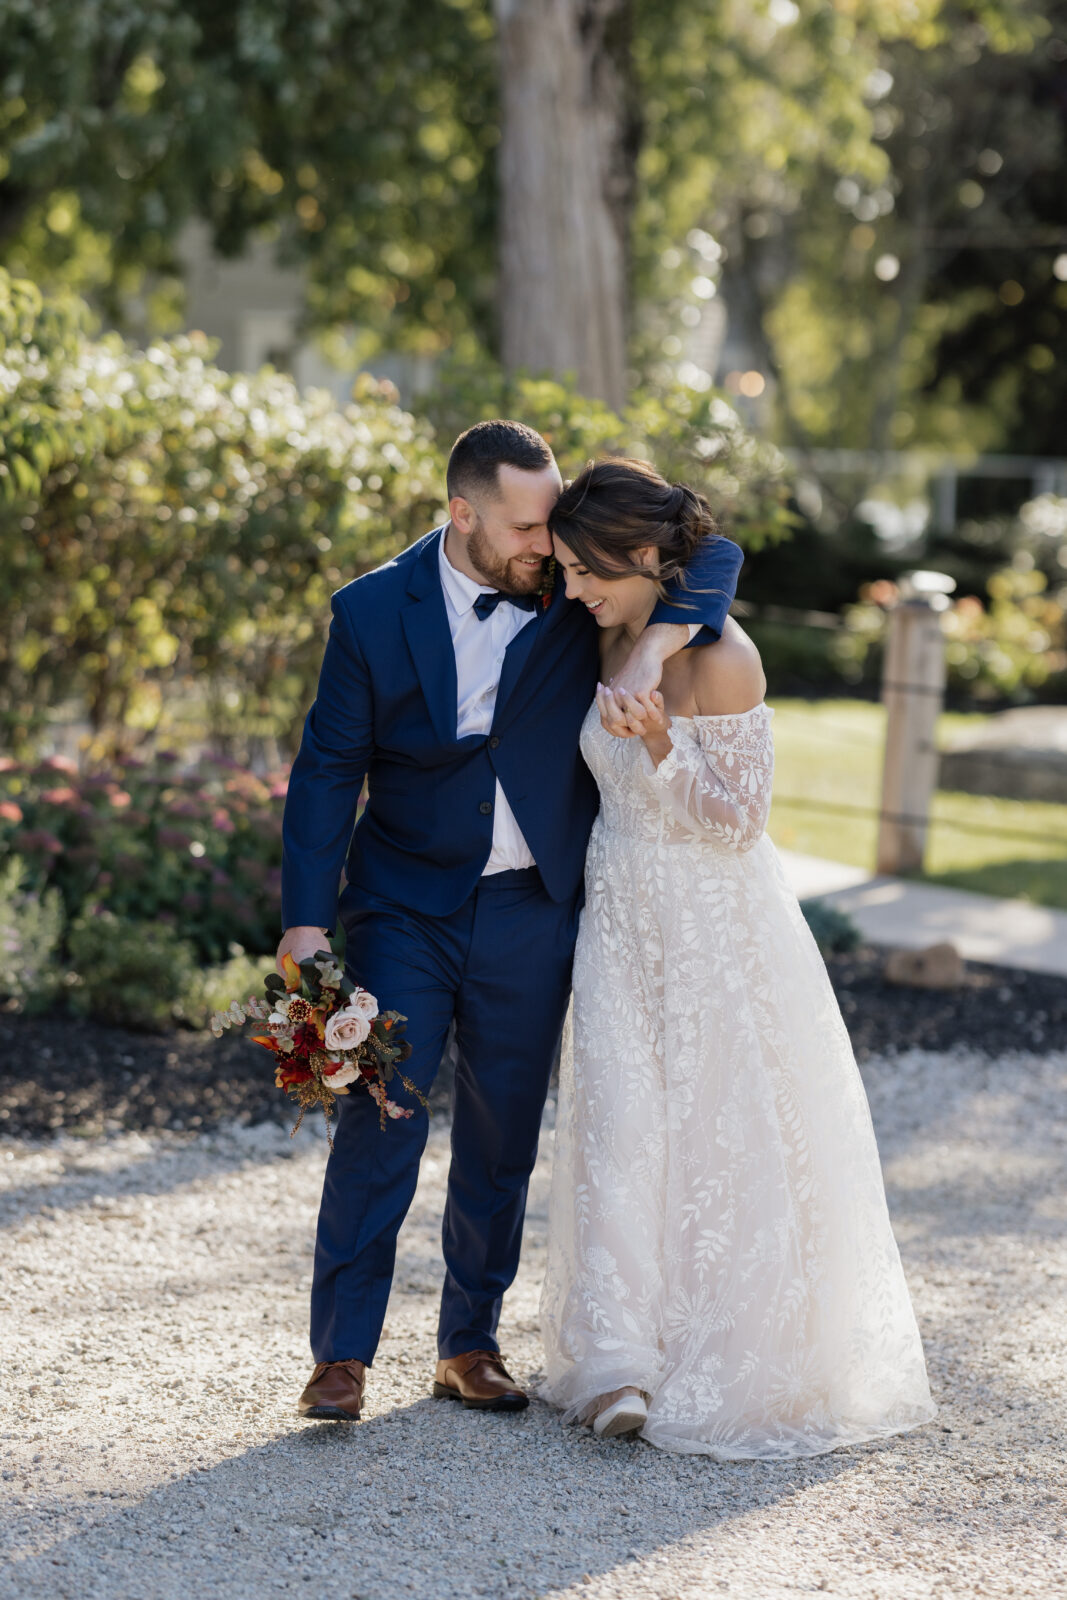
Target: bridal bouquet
(327,1035)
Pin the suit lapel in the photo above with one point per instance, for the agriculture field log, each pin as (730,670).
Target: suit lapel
(425,624)
(515,676)
(516,657)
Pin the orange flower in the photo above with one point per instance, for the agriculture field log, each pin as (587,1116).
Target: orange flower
(267,1040)
(291,971)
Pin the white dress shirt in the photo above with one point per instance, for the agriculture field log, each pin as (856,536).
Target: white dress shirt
(480,647)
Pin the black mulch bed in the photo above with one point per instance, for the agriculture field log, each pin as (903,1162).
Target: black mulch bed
(60,1074)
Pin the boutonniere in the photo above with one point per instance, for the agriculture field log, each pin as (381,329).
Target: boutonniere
(548,583)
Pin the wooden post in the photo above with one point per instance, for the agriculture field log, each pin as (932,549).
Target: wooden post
(913,687)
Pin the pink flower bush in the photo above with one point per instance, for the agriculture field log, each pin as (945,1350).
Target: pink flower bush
(147,842)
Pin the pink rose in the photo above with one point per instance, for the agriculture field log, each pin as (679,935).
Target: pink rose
(348,1028)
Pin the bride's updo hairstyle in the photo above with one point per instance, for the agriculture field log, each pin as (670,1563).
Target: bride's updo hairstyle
(617,506)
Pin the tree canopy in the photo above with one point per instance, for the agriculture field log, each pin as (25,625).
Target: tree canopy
(873,188)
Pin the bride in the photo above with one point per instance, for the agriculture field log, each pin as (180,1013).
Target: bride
(722,1274)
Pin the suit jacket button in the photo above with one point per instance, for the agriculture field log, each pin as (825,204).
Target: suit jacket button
(485,807)
(494,741)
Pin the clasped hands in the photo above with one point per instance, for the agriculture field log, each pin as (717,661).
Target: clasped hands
(630,704)
(632,715)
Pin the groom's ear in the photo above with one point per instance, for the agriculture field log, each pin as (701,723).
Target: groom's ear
(462,514)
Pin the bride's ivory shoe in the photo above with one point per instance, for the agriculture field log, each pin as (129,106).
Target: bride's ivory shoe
(626,1415)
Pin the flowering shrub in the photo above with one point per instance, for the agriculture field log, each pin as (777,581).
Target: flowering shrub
(1015,643)
(31,925)
(198,852)
(166,524)
(170,533)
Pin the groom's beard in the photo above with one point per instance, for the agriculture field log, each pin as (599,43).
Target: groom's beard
(510,577)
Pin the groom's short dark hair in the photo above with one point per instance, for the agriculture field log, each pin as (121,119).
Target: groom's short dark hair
(482,450)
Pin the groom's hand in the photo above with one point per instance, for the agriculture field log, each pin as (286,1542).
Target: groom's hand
(641,673)
(300,943)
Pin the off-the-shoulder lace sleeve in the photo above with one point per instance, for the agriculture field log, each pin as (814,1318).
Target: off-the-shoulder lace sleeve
(717,778)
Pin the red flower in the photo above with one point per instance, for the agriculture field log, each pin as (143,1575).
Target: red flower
(285,1075)
(306,1038)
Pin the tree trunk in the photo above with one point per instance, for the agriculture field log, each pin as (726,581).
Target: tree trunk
(567,165)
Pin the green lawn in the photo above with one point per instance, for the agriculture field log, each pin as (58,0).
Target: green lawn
(831,750)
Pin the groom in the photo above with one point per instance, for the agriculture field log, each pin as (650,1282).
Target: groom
(457,689)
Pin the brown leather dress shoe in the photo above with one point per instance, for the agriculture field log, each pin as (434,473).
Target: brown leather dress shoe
(480,1379)
(334,1392)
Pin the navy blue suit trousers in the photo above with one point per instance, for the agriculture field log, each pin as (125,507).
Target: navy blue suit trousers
(501,966)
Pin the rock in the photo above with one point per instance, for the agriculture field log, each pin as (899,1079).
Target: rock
(1019,754)
(939,966)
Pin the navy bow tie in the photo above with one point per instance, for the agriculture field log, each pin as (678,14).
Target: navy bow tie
(486,604)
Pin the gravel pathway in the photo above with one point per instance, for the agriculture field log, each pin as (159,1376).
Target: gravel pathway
(153,1316)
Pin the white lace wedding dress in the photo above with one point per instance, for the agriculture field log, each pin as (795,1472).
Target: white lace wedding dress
(718,1232)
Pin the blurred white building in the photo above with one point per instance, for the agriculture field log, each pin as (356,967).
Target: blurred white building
(255,308)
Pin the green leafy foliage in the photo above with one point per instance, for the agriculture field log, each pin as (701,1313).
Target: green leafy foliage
(834,931)
(31,925)
(176,543)
(693,437)
(130,974)
(905,293)
(358,134)
(170,525)
(212,988)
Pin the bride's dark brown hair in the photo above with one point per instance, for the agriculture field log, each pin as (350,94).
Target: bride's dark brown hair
(618,506)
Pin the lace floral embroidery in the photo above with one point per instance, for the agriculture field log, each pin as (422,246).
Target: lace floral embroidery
(718,1229)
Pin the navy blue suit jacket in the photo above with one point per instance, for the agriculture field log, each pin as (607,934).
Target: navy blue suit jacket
(386,711)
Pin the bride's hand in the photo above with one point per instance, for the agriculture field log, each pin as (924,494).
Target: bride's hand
(647,720)
(646,714)
(636,716)
(613,718)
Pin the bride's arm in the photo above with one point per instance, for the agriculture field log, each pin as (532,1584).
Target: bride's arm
(694,612)
(712,776)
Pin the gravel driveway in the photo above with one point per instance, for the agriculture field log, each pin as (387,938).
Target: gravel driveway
(153,1311)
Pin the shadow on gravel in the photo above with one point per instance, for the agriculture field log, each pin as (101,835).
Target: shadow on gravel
(444,1504)
(427,1499)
